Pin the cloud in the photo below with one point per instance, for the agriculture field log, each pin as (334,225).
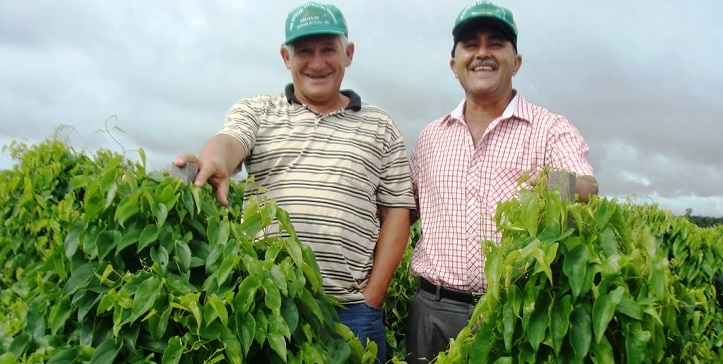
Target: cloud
(639,80)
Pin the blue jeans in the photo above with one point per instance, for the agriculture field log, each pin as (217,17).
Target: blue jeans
(365,321)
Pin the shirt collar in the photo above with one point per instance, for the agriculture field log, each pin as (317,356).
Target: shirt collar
(354,98)
(512,109)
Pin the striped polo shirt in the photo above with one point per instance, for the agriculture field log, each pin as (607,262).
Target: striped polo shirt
(329,172)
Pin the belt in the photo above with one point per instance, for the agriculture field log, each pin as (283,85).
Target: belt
(453,295)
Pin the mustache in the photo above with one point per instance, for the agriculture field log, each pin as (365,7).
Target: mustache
(484,62)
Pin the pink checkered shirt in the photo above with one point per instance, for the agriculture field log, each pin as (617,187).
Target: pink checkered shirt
(458,186)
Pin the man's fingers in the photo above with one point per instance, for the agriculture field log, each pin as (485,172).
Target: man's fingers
(222,192)
(182,159)
(204,173)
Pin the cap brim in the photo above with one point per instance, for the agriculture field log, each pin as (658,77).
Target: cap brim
(296,37)
(484,22)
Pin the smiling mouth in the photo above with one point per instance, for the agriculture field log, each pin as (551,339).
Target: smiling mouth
(318,77)
(483,66)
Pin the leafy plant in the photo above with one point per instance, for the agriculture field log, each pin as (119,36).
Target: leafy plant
(401,291)
(601,290)
(103,262)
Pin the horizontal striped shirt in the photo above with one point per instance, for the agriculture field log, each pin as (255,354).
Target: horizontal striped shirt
(458,185)
(329,172)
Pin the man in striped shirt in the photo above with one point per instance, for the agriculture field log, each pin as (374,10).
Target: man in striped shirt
(337,165)
(466,162)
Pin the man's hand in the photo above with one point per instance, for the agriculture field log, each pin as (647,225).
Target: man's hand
(391,244)
(208,171)
(218,160)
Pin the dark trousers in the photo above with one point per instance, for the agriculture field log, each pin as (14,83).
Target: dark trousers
(432,323)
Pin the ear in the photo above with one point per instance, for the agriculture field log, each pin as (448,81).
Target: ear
(452,62)
(349,53)
(518,63)
(286,56)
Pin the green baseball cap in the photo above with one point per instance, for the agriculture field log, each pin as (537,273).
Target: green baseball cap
(314,18)
(485,13)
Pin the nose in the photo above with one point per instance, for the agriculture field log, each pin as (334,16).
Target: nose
(317,61)
(482,51)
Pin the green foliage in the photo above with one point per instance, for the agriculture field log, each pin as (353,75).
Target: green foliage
(622,284)
(102,262)
(695,256)
(705,221)
(400,293)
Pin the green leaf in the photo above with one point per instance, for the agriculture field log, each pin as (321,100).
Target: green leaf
(603,309)
(213,257)
(167,196)
(195,192)
(161,215)
(246,324)
(604,213)
(482,344)
(148,236)
(268,212)
(285,223)
(279,278)
(529,294)
(183,255)
(540,320)
(90,243)
(223,233)
(72,239)
(79,278)
(145,296)
(173,352)
(246,293)
(215,308)
(105,353)
(658,278)
(68,356)
(234,352)
(602,352)
(580,333)
(290,313)
(560,321)
(107,241)
(530,211)
(310,304)
(636,341)
(272,297)
(130,236)
(542,263)
(126,209)
(59,314)
(160,257)
(277,343)
(510,314)
(142,154)
(630,307)
(19,344)
(110,195)
(575,268)
(262,324)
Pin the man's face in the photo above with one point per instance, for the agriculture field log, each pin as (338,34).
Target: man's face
(317,65)
(484,62)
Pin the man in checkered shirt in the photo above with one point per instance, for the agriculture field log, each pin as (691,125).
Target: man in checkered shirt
(466,162)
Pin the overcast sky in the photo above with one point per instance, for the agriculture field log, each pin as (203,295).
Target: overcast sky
(642,80)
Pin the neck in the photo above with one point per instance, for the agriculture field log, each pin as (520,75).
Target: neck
(325,106)
(482,110)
